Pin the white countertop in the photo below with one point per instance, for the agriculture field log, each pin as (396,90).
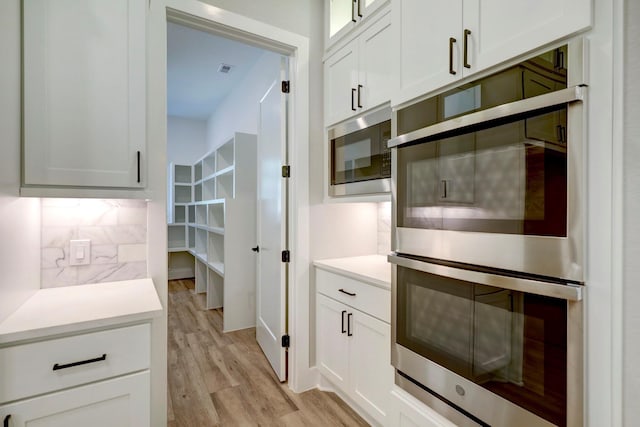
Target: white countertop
(372,269)
(76,308)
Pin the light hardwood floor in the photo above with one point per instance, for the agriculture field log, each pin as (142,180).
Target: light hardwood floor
(218,379)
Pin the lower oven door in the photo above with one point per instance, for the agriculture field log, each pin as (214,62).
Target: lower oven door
(505,350)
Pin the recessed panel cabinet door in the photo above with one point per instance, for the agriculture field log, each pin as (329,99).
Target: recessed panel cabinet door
(332,340)
(375,67)
(501,30)
(84,92)
(123,401)
(341,84)
(423,29)
(370,362)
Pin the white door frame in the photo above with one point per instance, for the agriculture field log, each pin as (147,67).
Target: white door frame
(219,21)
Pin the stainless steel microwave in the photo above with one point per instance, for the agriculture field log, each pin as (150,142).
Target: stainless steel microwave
(359,159)
(491,173)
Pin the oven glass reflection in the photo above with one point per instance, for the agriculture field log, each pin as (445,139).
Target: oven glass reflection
(511,343)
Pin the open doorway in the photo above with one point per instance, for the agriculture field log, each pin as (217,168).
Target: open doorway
(226,145)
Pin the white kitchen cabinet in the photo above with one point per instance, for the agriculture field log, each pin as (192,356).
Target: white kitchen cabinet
(342,16)
(333,342)
(354,339)
(357,76)
(123,401)
(96,378)
(437,44)
(84,94)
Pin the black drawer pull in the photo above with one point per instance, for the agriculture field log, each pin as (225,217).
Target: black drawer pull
(6,420)
(57,367)
(349,316)
(343,313)
(351,294)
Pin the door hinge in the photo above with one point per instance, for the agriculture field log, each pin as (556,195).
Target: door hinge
(286,256)
(285,341)
(286,171)
(286,86)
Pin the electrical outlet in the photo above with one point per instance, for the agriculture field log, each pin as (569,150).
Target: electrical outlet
(80,252)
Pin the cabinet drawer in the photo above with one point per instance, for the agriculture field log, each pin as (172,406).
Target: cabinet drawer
(368,298)
(41,367)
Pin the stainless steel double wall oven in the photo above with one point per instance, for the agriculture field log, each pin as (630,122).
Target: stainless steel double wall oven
(488,206)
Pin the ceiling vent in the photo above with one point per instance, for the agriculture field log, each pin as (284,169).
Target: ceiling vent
(224,68)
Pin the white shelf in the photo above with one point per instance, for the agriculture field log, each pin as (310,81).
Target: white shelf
(218,267)
(219,228)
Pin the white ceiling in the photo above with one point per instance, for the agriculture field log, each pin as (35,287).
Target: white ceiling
(195,88)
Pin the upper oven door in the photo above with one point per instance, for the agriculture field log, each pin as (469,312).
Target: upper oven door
(500,187)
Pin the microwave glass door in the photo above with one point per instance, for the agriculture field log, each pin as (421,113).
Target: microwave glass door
(508,178)
(361,155)
(511,343)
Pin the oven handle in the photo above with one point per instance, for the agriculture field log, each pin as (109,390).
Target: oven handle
(563,96)
(569,291)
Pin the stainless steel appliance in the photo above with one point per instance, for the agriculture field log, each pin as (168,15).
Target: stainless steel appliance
(498,167)
(488,349)
(488,272)
(359,159)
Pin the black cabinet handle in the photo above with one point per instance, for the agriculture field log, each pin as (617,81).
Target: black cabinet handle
(57,367)
(349,316)
(138,160)
(359,101)
(256,249)
(360,8)
(353,92)
(451,42)
(343,329)
(465,45)
(351,294)
(353,15)
(6,420)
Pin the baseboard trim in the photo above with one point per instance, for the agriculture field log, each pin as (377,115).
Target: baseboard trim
(181,273)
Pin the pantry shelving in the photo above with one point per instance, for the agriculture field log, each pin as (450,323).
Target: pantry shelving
(219,227)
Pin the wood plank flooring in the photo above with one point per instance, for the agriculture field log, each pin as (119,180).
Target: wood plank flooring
(218,379)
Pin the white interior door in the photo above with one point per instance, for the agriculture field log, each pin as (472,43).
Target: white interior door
(272,272)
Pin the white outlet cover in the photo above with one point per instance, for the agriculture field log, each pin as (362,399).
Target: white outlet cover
(80,252)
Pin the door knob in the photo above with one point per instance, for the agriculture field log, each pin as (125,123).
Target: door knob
(256,249)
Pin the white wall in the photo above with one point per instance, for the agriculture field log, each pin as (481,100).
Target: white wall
(238,112)
(290,15)
(631,194)
(186,140)
(19,218)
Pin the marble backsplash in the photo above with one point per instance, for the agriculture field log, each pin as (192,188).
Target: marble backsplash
(118,233)
(384,228)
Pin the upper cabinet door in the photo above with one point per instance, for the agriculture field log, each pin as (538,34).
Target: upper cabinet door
(437,43)
(501,30)
(342,16)
(84,93)
(425,57)
(341,84)
(375,43)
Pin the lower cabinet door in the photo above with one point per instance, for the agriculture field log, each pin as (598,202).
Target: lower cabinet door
(121,402)
(332,340)
(371,374)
